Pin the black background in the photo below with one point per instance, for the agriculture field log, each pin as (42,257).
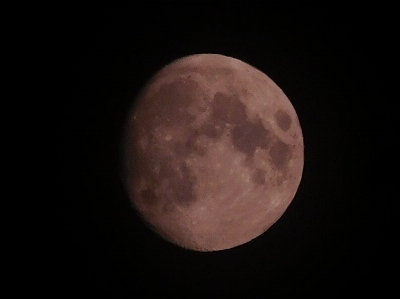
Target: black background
(95,57)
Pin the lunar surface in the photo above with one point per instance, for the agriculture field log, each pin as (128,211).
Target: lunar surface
(213,152)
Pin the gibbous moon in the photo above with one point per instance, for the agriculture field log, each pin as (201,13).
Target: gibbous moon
(213,152)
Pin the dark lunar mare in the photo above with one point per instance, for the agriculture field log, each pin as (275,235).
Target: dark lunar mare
(168,107)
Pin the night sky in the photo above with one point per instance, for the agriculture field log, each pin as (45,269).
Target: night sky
(97,56)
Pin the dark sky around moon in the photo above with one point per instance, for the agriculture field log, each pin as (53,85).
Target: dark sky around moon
(97,56)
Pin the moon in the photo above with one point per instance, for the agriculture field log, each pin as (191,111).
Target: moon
(213,152)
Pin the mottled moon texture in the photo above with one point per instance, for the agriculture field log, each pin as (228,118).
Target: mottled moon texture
(213,152)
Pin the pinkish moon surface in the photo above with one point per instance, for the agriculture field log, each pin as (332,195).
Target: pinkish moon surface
(213,152)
